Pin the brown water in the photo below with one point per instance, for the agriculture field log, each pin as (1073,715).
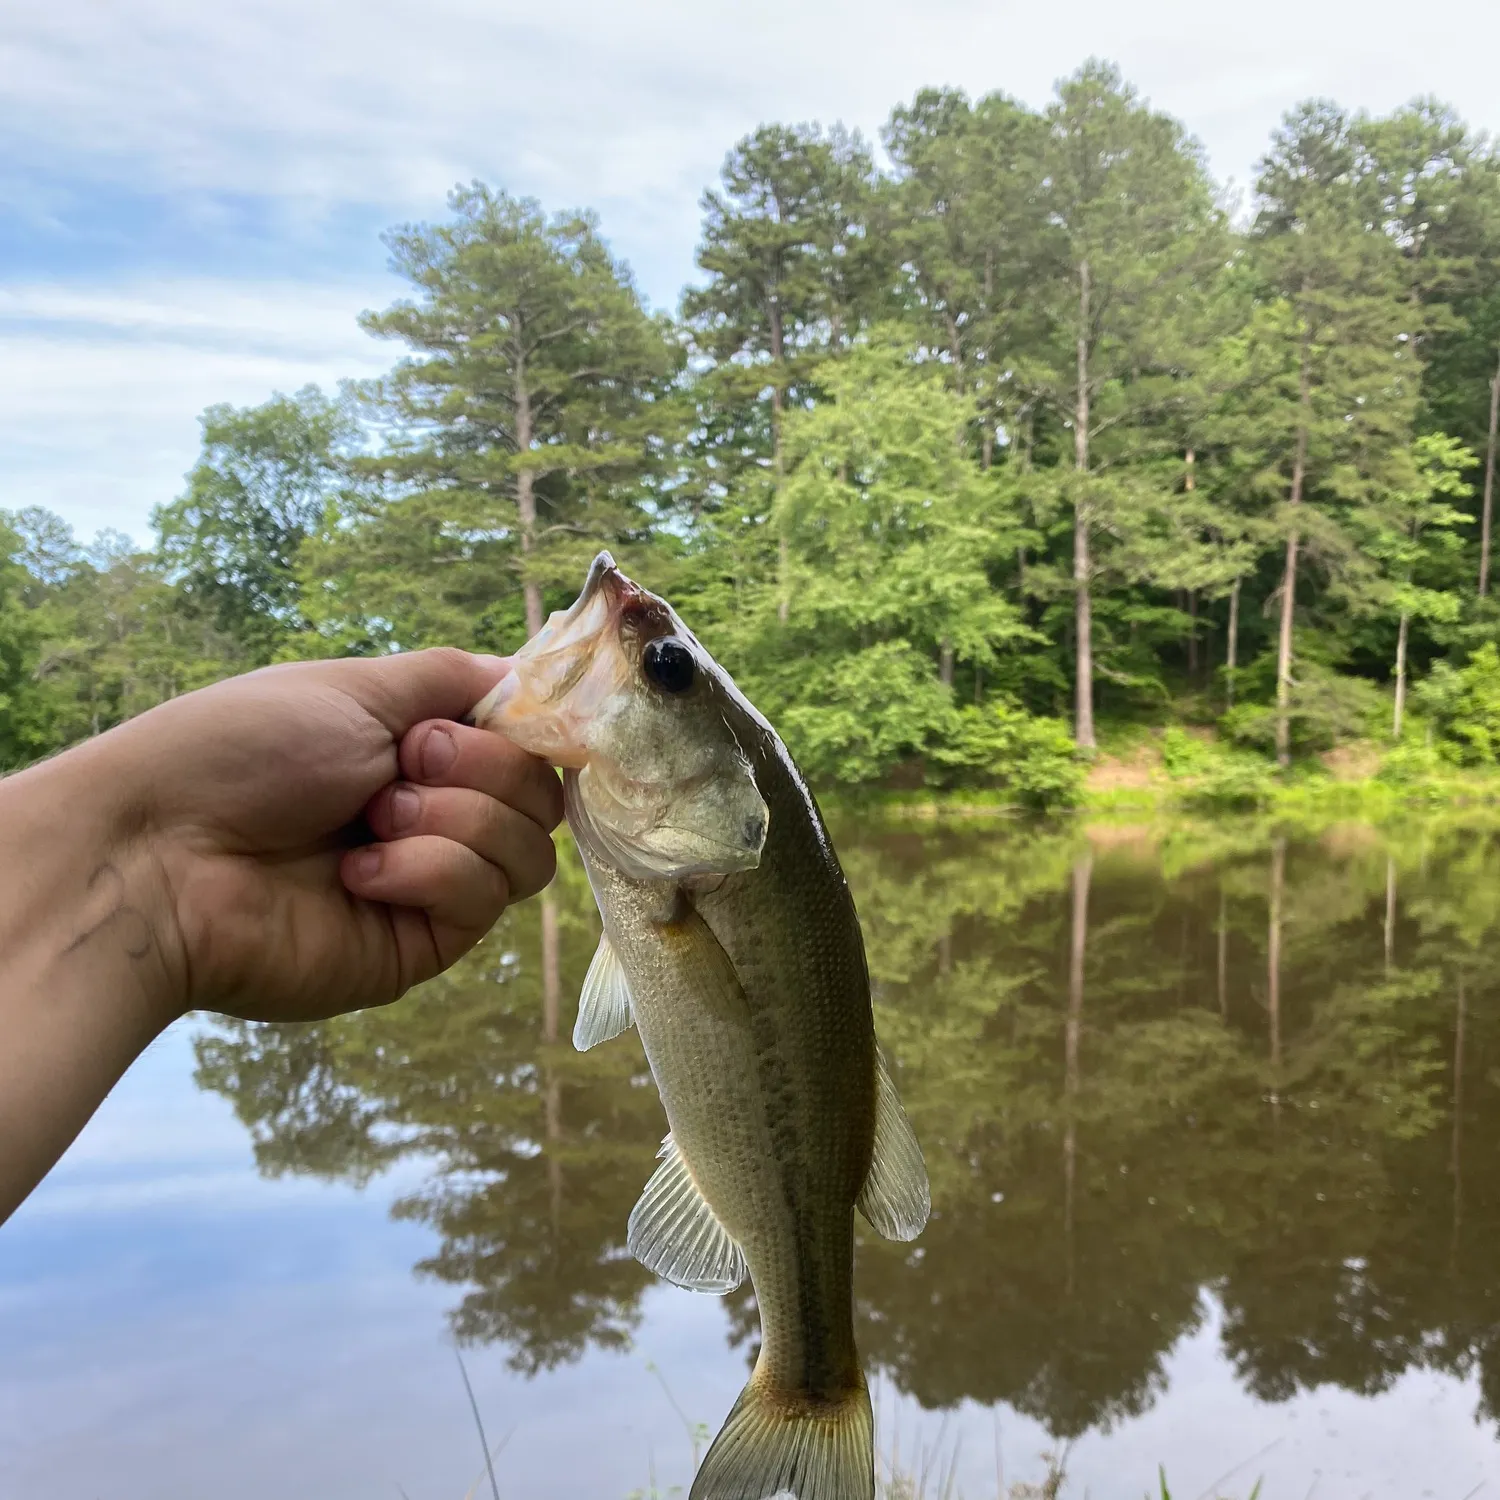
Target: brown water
(1211,1117)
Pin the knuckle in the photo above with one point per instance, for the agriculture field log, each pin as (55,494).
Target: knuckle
(448,658)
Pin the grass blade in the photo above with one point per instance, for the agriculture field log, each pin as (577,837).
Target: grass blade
(483,1441)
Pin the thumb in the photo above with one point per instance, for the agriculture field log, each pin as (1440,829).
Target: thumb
(410,686)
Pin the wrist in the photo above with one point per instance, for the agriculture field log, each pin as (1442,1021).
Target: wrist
(83,868)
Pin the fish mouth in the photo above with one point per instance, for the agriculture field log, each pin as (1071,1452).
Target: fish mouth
(572,663)
(604,575)
(626,602)
(607,595)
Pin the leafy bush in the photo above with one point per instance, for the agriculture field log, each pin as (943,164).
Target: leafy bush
(1232,783)
(1216,779)
(851,718)
(1410,764)
(1184,754)
(1464,706)
(1001,745)
(1325,709)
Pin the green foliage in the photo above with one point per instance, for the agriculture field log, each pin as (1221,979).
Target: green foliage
(1185,754)
(837,720)
(1216,779)
(1001,745)
(262,486)
(520,431)
(1410,764)
(918,436)
(23,720)
(1326,708)
(1464,706)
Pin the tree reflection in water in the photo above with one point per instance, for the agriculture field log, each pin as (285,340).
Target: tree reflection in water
(1145,1066)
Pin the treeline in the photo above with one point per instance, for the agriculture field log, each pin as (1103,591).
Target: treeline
(948,459)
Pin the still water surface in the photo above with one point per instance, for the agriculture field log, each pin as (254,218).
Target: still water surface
(1212,1118)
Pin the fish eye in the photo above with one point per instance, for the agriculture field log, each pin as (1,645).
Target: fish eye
(669,664)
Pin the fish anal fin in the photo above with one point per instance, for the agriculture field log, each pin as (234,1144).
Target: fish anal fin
(675,1233)
(895,1198)
(604,1004)
(790,1446)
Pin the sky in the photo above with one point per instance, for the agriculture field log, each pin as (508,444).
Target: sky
(192,195)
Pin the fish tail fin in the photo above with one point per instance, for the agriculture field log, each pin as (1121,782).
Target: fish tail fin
(778,1444)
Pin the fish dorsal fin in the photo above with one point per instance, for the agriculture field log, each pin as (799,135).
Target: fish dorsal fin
(604,1004)
(895,1198)
(675,1233)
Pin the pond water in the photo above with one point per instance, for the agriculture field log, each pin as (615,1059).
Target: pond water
(1212,1117)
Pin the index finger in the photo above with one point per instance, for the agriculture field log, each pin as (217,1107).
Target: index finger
(457,755)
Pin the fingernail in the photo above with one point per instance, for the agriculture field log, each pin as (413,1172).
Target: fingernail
(364,864)
(405,805)
(438,754)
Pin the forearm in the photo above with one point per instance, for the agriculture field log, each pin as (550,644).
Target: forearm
(88,971)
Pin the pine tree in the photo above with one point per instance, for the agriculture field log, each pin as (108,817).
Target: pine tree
(528,401)
(787,250)
(1133,236)
(964,227)
(1337,417)
(1413,533)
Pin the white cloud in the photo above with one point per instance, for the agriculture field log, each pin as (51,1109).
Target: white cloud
(101,386)
(320,111)
(632,106)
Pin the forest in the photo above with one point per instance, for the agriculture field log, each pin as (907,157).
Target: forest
(969,455)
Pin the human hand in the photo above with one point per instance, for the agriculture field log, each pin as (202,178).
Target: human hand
(248,795)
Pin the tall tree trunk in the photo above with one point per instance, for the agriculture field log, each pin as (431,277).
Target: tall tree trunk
(1083,868)
(778,400)
(1273,969)
(1289,573)
(554,1137)
(1233,643)
(1487,512)
(526,501)
(1389,931)
(1400,675)
(1083,688)
(551,968)
(551,1082)
(551,965)
(1223,975)
(945,663)
(1192,640)
(1455,1150)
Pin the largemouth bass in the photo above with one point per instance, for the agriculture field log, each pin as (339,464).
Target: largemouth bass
(731,942)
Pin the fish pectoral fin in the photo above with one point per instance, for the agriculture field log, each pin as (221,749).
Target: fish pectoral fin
(675,1233)
(604,1004)
(895,1198)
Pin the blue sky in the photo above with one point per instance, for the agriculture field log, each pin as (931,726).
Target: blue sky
(191,195)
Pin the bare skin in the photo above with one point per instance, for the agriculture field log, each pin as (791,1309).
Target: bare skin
(286,846)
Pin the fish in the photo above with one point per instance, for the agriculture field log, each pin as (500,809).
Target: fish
(731,942)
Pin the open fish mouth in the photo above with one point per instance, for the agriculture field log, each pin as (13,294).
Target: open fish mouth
(571,666)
